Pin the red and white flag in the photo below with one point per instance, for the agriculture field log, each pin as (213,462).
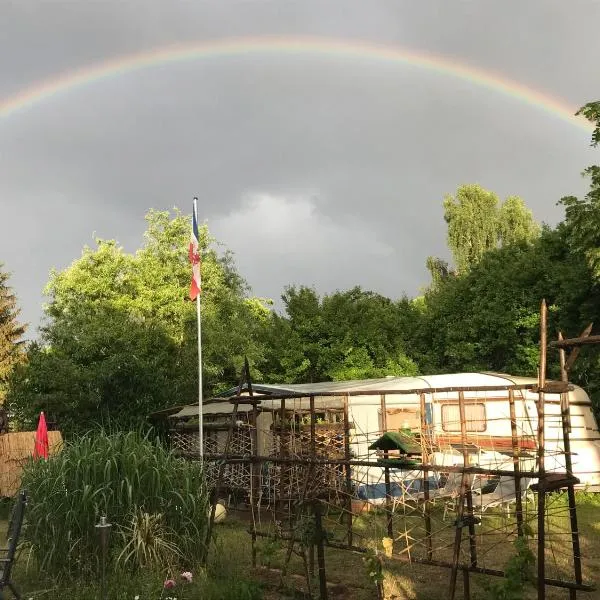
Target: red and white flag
(196,285)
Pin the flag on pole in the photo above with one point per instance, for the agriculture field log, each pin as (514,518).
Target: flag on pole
(196,285)
(41,447)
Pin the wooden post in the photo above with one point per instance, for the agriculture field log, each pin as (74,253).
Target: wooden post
(283,481)
(564,376)
(469,494)
(465,493)
(541,570)
(565,413)
(516,464)
(255,476)
(466,585)
(388,496)
(425,461)
(348,470)
(320,551)
(383,413)
(313,453)
(386,472)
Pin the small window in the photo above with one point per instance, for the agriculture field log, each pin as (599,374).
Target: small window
(474,416)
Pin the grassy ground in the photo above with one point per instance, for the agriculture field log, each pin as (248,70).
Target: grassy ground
(494,538)
(230,575)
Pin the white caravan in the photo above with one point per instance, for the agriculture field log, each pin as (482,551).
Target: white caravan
(487,418)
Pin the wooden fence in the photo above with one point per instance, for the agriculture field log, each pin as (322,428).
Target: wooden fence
(15,450)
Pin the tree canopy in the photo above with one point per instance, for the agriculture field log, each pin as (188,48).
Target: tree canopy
(478,223)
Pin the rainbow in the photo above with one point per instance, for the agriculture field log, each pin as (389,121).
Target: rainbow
(346,49)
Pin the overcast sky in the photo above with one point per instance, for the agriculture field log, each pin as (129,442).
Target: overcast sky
(338,165)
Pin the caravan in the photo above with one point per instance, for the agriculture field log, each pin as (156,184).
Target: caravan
(395,404)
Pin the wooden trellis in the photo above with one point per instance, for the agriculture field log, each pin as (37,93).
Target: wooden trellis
(309,467)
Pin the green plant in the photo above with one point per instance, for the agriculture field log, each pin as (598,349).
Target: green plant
(148,543)
(517,574)
(374,566)
(267,550)
(121,476)
(231,589)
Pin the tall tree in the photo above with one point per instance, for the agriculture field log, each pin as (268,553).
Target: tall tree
(120,339)
(478,223)
(11,331)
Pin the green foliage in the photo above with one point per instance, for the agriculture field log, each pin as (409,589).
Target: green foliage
(477,223)
(156,502)
(374,567)
(236,589)
(121,337)
(11,332)
(346,335)
(148,542)
(518,573)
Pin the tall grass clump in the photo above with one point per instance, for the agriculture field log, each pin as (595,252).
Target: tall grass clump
(156,502)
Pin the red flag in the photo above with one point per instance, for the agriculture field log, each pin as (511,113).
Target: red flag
(41,439)
(194,253)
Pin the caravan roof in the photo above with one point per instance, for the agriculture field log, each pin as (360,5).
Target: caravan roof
(341,387)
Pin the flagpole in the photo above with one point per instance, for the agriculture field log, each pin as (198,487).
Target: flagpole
(199,317)
(200,409)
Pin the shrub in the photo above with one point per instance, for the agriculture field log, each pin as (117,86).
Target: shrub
(157,505)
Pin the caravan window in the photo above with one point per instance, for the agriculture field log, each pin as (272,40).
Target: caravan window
(474,414)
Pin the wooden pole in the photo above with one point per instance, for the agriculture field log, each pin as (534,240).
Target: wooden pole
(348,471)
(425,460)
(255,478)
(516,464)
(386,472)
(465,494)
(313,453)
(320,552)
(469,493)
(283,479)
(541,546)
(466,585)
(565,413)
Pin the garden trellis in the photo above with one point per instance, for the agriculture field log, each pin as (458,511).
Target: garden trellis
(416,507)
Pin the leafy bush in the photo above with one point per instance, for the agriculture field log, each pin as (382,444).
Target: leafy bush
(156,502)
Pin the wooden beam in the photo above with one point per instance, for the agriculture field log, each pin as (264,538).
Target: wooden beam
(578,341)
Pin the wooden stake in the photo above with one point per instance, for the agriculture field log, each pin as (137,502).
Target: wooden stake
(516,465)
(541,558)
(348,472)
(425,460)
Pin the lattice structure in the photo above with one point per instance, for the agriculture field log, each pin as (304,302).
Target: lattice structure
(185,441)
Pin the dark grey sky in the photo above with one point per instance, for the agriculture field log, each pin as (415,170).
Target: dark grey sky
(339,165)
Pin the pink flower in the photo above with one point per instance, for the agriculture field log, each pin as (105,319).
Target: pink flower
(169,584)
(187,576)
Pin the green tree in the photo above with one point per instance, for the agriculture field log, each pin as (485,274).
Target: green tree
(478,223)
(11,332)
(120,339)
(515,223)
(582,216)
(346,335)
